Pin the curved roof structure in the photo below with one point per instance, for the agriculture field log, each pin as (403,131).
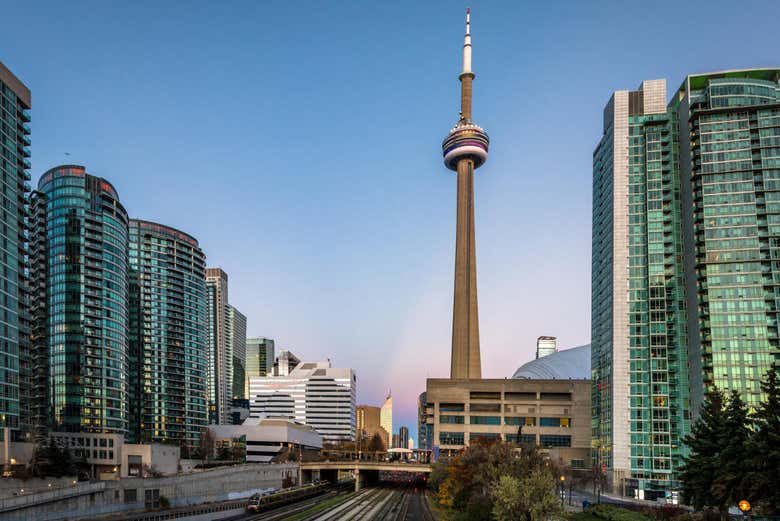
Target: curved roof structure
(569,364)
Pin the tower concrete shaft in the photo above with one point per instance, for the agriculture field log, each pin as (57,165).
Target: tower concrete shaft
(465,361)
(465,149)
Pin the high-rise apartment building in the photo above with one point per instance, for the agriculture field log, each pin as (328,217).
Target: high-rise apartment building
(86,293)
(259,359)
(235,338)
(313,393)
(386,416)
(729,142)
(220,366)
(368,424)
(682,275)
(546,345)
(424,429)
(17,365)
(403,437)
(168,338)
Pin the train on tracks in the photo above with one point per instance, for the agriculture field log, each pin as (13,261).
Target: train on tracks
(258,503)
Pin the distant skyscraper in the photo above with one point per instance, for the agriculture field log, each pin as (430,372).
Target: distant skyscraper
(684,213)
(168,336)
(403,437)
(386,416)
(313,393)
(17,361)
(465,149)
(220,371)
(285,362)
(235,338)
(368,424)
(410,444)
(86,287)
(424,430)
(546,345)
(259,359)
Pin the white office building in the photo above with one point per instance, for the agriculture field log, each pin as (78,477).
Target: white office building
(314,394)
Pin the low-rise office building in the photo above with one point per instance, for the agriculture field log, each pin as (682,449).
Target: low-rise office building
(268,439)
(552,412)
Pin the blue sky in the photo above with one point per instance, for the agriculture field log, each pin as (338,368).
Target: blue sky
(300,143)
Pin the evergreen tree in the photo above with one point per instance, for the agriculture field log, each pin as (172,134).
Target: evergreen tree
(764,475)
(730,483)
(700,468)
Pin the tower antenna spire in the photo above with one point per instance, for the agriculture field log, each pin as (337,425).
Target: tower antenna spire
(467,44)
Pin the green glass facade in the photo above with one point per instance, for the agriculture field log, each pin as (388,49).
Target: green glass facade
(686,221)
(235,339)
(259,359)
(639,355)
(86,282)
(732,182)
(168,336)
(16,363)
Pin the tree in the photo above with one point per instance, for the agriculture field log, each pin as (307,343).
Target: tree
(474,482)
(729,486)
(531,498)
(376,444)
(207,442)
(700,467)
(225,454)
(764,473)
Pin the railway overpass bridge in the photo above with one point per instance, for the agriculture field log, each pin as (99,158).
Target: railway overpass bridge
(363,471)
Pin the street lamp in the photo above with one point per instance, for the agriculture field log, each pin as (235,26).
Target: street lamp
(563,490)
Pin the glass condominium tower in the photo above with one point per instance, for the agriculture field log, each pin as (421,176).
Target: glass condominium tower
(730,163)
(235,339)
(168,335)
(686,222)
(16,365)
(86,299)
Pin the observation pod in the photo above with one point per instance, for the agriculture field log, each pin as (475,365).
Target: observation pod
(465,141)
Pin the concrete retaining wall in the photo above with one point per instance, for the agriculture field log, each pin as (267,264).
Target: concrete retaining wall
(130,494)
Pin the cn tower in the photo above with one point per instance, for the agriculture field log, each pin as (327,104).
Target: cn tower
(465,149)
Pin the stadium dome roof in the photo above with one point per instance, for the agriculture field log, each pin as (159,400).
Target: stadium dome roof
(569,364)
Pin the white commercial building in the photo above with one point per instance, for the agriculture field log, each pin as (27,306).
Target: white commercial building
(314,394)
(268,438)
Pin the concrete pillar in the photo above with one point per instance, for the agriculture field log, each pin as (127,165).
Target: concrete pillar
(357,479)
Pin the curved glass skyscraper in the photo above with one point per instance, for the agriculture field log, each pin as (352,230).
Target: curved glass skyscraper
(168,334)
(86,285)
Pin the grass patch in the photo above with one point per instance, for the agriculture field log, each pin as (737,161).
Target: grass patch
(318,508)
(582,516)
(605,512)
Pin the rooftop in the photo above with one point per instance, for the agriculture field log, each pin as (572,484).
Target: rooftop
(569,364)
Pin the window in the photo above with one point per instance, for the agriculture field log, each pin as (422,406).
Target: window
(485,420)
(485,407)
(451,407)
(547,440)
(524,438)
(451,418)
(528,421)
(152,498)
(554,422)
(484,436)
(578,464)
(451,438)
(482,395)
